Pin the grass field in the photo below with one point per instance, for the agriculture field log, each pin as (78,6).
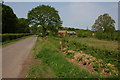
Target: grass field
(103,44)
(52,64)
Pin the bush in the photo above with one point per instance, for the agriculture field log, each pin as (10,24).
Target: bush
(107,36)
(70,55)
(84,33)
(99,35)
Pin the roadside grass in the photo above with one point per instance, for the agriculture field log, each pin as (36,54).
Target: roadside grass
(38,69)
(102,44)
(107,55)
(48,53)
(12,41)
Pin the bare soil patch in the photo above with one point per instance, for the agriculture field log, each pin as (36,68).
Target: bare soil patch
(93,65)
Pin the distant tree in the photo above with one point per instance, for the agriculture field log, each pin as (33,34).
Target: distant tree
(104,23)
(22,26)
(9,20)
(46,17)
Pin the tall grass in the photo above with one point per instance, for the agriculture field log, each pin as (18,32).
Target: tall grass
(49,54)
(102,44)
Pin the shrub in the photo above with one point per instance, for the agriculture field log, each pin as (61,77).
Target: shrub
(79,59)
(107,36)
(84,33)
(70,55)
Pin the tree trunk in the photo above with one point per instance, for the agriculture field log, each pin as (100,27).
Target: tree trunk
(43,32)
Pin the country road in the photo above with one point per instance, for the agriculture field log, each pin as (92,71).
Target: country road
(14,56)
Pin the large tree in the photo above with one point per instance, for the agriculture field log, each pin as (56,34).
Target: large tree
(22,26)
(9,20)
(104,23)
(46,17)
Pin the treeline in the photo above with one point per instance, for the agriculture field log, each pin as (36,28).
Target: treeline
(96,34)
(13,27)
(12,24)
(108,36)
(68,28)
(99,34)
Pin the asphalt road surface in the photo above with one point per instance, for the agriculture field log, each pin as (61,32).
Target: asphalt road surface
(14,56)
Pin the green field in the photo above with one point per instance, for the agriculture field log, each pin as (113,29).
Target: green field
(52,64)
(103,44)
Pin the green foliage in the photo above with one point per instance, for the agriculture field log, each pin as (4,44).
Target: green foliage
(104,23)
(70,55)
(49,54)
(60,66)
(99,34)
(79,59)
(40,70)
(0,18)
(11,24)
(46,17)
(9,20)
(8,37)
(84,33)
(22,26)
(87,58)
(96,66)
(68,28)
(108,36)
(109,56)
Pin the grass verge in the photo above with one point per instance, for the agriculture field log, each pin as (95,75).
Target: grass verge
(46,50)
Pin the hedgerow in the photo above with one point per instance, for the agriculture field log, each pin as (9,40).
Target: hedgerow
(99,35)
(108,36)
(7,37)
(84,33)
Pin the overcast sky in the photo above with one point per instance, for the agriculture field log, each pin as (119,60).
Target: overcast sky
(73,14)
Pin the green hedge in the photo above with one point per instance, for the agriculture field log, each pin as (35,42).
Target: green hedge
(108,36)
(99,35)
(7,37)
(84,33)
